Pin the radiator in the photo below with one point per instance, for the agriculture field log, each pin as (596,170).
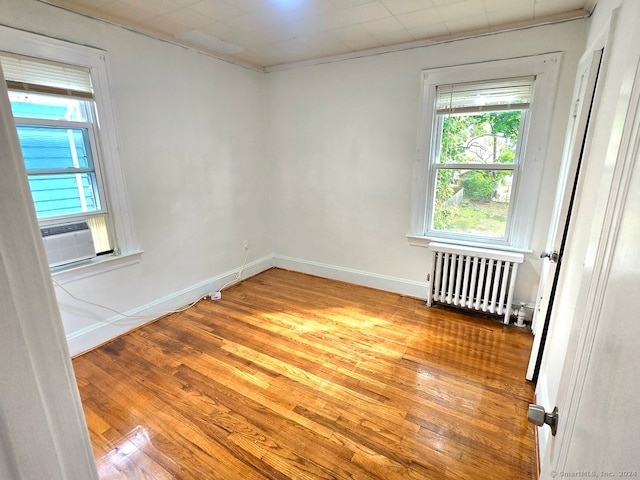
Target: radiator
(473,278)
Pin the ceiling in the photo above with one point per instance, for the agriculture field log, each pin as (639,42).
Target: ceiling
(269,33)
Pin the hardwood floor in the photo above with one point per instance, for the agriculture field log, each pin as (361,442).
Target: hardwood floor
(291,376)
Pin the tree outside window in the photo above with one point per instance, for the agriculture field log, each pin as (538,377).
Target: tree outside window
(479,129)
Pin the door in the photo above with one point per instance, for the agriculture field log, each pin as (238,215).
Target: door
(599,388)
(43,433)
(567,188)
(601,429)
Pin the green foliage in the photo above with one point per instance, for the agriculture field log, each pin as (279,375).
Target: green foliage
(478,185)
(444,185)
(444,217)
(507,123)
(481,138)
(444,191)
(453,146)
(481,185)
(506,156)
(480,218)
(473,139)
(461,133)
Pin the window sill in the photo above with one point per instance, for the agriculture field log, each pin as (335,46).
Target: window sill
(424,241)
(96,266)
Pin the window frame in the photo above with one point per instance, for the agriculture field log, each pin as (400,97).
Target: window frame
(114,191)
(523,205)
(435,166)
(95,169)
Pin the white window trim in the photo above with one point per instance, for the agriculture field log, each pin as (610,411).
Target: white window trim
(96,161)
(33,45)
(435,165)
(546,69)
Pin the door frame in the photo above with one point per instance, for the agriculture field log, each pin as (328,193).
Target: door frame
(563,349)
(568,188)
(584,329)
(42,423)
(570,185)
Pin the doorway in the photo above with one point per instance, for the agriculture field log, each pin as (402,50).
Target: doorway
(567,189)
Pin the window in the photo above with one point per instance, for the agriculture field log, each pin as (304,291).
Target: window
(482,139)
(60,97)
(55,117)
(478,129)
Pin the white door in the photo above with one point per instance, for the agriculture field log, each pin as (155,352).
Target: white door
(599,389)
(43,433)
(567,188)
(589,369)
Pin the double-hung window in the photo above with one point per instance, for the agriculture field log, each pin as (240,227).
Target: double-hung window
(482,140)
(478,131)
(56,121)
(60,96)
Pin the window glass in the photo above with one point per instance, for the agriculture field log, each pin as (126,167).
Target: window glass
(57,141)
(481,138)
(57,195)
(56,147)
(48,147)
(472,202)
(48,107)
(478,129)
(482,143)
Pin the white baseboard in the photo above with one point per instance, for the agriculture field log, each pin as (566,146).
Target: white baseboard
(102,331)
(350,275)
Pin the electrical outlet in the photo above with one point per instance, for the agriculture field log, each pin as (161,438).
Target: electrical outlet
(245,244)
(215,296)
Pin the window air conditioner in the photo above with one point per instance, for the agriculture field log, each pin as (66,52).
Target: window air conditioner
(68,243)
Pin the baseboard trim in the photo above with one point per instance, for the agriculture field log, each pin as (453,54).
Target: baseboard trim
(350,275)
(104,331)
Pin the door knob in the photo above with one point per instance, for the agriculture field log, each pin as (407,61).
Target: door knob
(552,256)
(539,417)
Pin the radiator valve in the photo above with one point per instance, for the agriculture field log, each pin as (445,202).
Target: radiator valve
(521,316)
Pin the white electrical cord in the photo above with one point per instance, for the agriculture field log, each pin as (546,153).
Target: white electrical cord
(156,314)
(239,274)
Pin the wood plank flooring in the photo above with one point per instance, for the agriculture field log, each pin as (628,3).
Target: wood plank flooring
(291,376)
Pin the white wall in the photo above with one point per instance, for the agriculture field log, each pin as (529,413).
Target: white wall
(191,138)
(343,141)
(313,164)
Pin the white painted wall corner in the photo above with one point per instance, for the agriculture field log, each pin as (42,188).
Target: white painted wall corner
(350,275)
(100,332)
